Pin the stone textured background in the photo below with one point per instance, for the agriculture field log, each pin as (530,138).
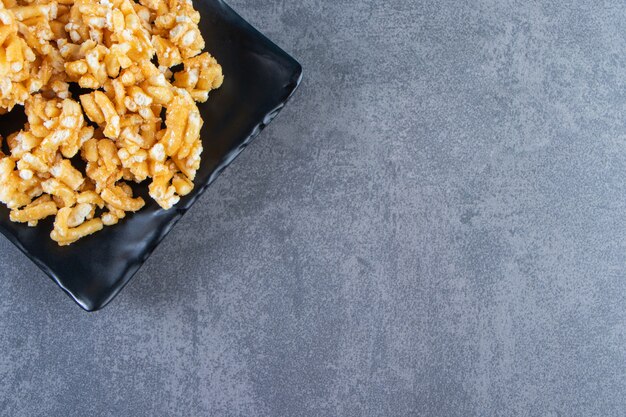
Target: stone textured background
(434,226)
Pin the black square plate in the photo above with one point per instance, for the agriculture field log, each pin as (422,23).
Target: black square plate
(259,79)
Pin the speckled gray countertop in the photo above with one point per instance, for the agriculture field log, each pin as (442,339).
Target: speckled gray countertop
(434,226)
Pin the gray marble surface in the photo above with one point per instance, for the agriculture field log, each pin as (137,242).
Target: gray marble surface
(434,226)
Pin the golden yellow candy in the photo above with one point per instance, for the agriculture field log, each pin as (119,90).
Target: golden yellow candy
(106,46)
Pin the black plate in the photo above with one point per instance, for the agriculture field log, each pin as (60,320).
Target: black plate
(259,79)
